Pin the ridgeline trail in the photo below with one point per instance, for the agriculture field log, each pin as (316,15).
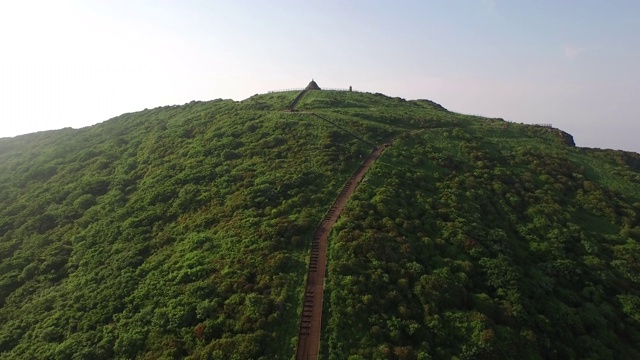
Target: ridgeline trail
(343,129)
(311,320)
(292,106)
(297,99)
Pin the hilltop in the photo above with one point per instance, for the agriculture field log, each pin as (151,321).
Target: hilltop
(185,232)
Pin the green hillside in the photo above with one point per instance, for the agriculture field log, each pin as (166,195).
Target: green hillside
(184,232)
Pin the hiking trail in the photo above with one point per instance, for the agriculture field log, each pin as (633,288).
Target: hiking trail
(311,319)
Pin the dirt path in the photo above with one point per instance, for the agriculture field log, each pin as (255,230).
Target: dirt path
(296,100)
(311,320)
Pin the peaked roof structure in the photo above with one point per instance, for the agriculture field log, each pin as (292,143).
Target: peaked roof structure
(312,86)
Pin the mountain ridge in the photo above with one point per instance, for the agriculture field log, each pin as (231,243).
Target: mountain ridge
(185,231)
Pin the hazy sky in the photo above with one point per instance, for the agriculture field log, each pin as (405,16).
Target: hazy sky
(573,64)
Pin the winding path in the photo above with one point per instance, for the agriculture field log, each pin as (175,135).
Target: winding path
(311,320)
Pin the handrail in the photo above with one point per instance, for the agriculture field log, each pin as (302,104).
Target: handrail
(284,90)
(343,129)
(300,89)
(297,99)
(311,318)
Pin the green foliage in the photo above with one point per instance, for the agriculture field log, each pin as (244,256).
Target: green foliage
(165,233)
(480,242)
(183,232)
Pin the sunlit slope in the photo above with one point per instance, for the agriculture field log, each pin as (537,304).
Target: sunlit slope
(488,241)
(184,231)
(173,231)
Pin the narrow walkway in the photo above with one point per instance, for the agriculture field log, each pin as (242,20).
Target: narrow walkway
(311,320)
(343,129)
(296,100)
(290,109)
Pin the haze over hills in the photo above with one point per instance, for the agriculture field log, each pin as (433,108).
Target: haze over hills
(186,232)
(76,63)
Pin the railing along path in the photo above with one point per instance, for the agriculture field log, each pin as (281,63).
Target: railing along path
(311,319)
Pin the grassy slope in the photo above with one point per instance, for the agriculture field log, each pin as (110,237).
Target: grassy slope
(183,231)
(488,240)
(173,231)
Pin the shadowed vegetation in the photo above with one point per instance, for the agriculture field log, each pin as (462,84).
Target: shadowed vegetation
(184,232)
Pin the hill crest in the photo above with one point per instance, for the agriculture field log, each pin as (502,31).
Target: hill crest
(186,231)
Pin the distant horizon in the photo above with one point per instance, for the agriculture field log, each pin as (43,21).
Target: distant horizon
(574,64)
(300,89)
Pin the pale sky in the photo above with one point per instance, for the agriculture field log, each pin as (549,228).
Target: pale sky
(573,63)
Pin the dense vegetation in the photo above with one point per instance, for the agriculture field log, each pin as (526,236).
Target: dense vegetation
(489,242)
(173,231)
(183,232)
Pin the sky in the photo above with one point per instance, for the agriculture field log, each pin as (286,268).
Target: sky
(574,64)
